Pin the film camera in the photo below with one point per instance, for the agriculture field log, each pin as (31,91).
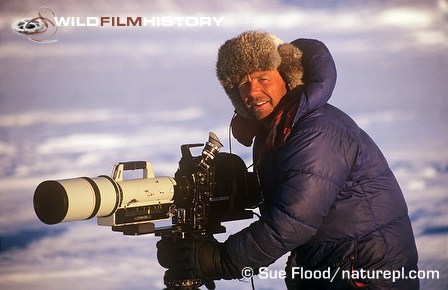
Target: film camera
(206,190)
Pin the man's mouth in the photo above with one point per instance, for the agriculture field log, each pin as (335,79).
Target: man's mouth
(258,104)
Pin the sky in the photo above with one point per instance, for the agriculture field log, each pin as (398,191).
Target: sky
(104,94)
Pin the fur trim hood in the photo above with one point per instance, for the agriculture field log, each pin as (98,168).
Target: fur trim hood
(254,51)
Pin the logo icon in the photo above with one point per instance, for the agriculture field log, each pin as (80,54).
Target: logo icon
(37,29)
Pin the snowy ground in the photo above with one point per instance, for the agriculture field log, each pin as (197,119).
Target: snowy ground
(103,95)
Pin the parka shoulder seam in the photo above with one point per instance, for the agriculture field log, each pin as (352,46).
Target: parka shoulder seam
(338,135)
(309,172)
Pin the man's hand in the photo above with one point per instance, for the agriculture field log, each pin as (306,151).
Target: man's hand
(200,256)
(204,258)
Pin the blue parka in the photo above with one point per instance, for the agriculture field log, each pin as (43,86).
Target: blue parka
(330,198)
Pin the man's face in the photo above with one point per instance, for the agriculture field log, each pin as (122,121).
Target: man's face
(261,92)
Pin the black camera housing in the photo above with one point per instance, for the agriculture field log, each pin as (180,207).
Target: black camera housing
(204,198)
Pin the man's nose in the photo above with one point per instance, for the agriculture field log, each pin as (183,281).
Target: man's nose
(253,89)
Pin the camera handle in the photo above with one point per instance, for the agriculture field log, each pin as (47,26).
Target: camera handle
(119,168)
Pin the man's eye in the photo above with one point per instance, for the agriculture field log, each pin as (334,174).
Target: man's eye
(243,84)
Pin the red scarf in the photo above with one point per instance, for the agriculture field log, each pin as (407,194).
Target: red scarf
(282,122)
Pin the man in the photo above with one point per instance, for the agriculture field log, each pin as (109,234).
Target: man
(330,198)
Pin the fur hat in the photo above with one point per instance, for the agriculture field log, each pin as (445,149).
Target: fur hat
(254,51)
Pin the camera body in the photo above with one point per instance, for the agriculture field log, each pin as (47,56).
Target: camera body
(206,190)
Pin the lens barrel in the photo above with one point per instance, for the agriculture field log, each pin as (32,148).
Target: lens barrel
(80,198)
(50,202)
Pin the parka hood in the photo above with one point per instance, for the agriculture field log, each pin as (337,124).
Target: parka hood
(319,75)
